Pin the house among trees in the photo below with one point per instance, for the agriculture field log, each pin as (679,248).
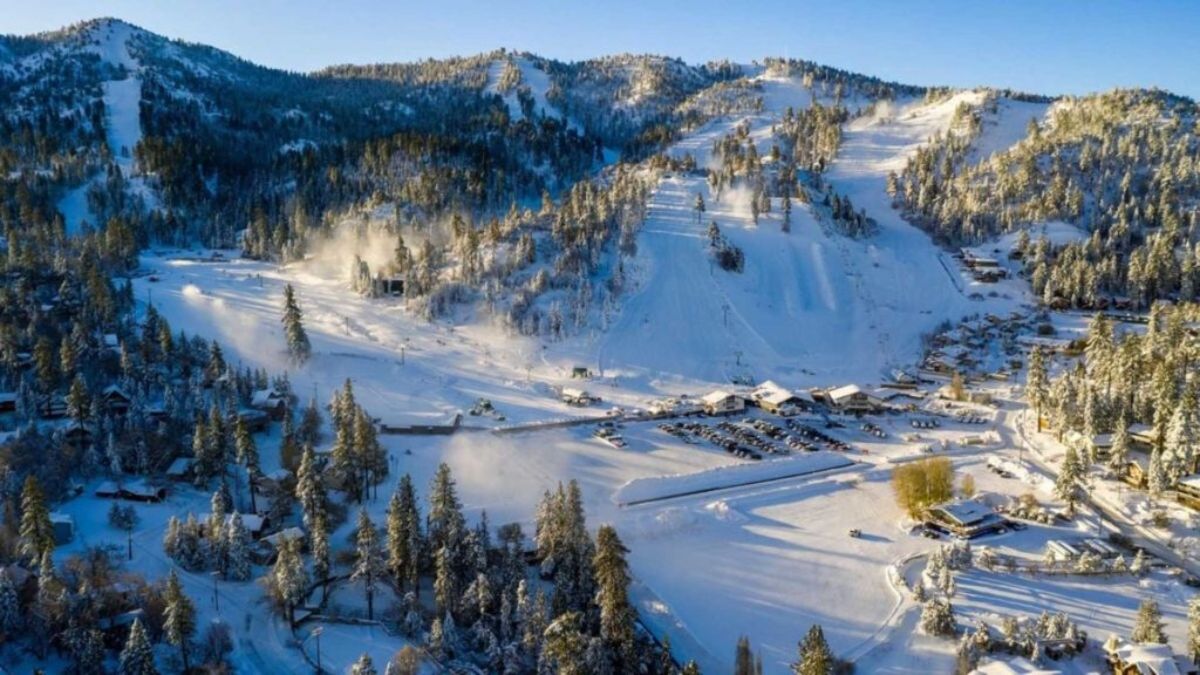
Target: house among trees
(115,400)
(181,469)
(967,519)
(1101,443)
(1141,437)
(78,435)
(389,285)
(1187,491)
(270,401)
(64,528)
(255,420)
(8,402)
(134,491)
(1141,659)
(721,402)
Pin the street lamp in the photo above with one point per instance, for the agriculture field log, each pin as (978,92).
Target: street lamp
(316,635)
(216,597)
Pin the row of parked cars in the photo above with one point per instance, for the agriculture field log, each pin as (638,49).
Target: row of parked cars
(809,433)
(728,442)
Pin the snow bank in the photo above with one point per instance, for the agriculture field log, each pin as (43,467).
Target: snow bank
(641,490)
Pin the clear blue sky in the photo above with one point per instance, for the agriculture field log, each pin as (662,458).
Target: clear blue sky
(1041,46)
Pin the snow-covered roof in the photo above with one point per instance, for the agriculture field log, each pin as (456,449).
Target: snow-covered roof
(1149,659)
(290,533)
(180,466)
(56,517)
(716,396)
(266,397)
(1192,481)
(966,513)
(1013,666)
(572,392)
(844,392)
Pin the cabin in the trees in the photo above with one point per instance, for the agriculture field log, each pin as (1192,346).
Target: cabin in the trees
(64,528)
(115,400)
(1102,443)
(966,519)
(1187,491)
(1136,470)
(8,402)
(135,491)
(255,420)
(721,402)
(1141,659)
(181,469)
(389,285)
(79,435)
(270,401)
(1141,437)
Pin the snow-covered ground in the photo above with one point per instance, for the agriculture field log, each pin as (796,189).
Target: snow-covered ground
(122,116)
(538,83)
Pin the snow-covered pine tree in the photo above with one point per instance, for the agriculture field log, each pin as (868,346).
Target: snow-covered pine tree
(937,618)
(1183,437)
(1037,383)
(1193,635)
(1070,475)
(137,658)
(288,581)
(815,657)
(36,531)
(369,564)
(10,607)
(404,535)
(1148,627)
(612,582)
(321,560)
(179,617)
(298,346)
(310,488)
(237,549)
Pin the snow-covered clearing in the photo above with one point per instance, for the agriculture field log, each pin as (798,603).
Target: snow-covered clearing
(538,83)
(658,488)
(122,117)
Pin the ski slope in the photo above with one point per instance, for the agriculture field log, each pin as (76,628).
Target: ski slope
(812,307)
(122,116)
(538,83)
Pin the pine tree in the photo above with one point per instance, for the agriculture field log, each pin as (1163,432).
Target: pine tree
(612,581)
(1037,384)
(137,658)
(369,564)
(565,645)
(299,348)
(179,621)
(815,656)
(1118,453)
(1183,437)
(937,618)
(445,511)
(10,607)
(37,532)
(288,580)
(310,488)
(1193,639)
(237,549)
(1070,475)
(445,582)
(1148,627)
(743,662)
(1157,480)
(403,534)
(322,564)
